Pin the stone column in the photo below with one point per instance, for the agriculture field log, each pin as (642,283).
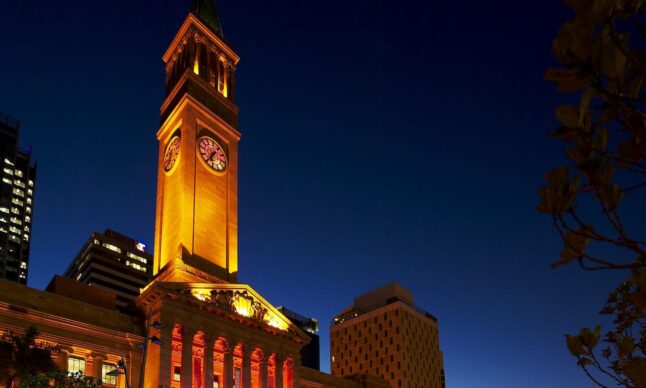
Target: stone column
(278,371)
(61,360)
(186,379)
(227,367)
(247,350)
(158,362)
(97,366)
(208,360)
(262,368)
(295,371)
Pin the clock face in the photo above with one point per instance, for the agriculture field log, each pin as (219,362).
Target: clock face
(212,153)
(172,151)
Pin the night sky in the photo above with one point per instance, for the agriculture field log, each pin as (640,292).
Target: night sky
(382,141)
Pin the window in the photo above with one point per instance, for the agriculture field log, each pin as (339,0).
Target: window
(7,181)
(16,201)
(112,247)
(138,258)
(105,377)
(19,183)
(4,210)
(76,365)
(8,161)
(216,381)
(177,373)
(19,173)
(31,183)
(8,171)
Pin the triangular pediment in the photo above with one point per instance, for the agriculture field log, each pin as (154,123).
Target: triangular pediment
(238,299)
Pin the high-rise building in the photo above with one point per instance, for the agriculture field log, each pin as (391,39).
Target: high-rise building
(384,334)
(114,262)
(16,202)
(310,353)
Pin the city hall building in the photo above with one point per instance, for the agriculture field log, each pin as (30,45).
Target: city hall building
(214,332)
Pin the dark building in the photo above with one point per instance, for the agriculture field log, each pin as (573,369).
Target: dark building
(114,262)
(310,353)
(16,202)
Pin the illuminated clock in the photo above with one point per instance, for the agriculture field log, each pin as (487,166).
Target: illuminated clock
(172,151)
(213,155)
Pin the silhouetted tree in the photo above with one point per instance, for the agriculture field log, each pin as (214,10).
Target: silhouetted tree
(21,356)
(60,379)
(602,52)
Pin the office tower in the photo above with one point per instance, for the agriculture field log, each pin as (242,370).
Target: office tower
(114,262)
(16,202)
(310,353)
(384,334)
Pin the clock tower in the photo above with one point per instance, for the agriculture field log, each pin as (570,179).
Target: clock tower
(196,226)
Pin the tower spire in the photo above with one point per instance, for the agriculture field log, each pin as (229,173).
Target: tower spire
(206,12)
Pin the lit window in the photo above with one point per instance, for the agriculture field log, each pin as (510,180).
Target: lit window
(19,183)
(4,210)
(27,219)
(28,210)
(30,192)
(15,230)
(222,78)
(29,201)
(27,229)
(8,162)
(26,237)
(8,171)
(177,373)
(105,377)
(3,230)
(18,192)
(15,210)
(112,247)
(7,181)
(31,183)
(16,201)
(78,277)
(76,365)
(138,258)
(16,221)
(23,265)
(19,173)
(3,220)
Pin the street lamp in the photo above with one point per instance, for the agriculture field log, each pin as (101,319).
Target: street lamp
(121,369)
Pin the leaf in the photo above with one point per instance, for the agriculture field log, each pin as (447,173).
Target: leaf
(568,116)
(574,345)
(602,139)
(626,346)
(574,247)
(560,193)
(636,370)
(610,194)
(613,62)
(568,80)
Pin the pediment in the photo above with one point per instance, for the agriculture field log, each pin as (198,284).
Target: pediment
(238,299)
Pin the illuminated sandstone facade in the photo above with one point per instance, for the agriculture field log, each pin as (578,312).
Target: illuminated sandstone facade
(213,332)
(385,334)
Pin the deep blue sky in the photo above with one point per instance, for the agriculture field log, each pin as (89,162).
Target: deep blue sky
(382,141)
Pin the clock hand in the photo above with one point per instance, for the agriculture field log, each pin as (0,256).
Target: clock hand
(211,157)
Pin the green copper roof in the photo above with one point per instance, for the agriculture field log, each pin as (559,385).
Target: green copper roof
(205,11)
